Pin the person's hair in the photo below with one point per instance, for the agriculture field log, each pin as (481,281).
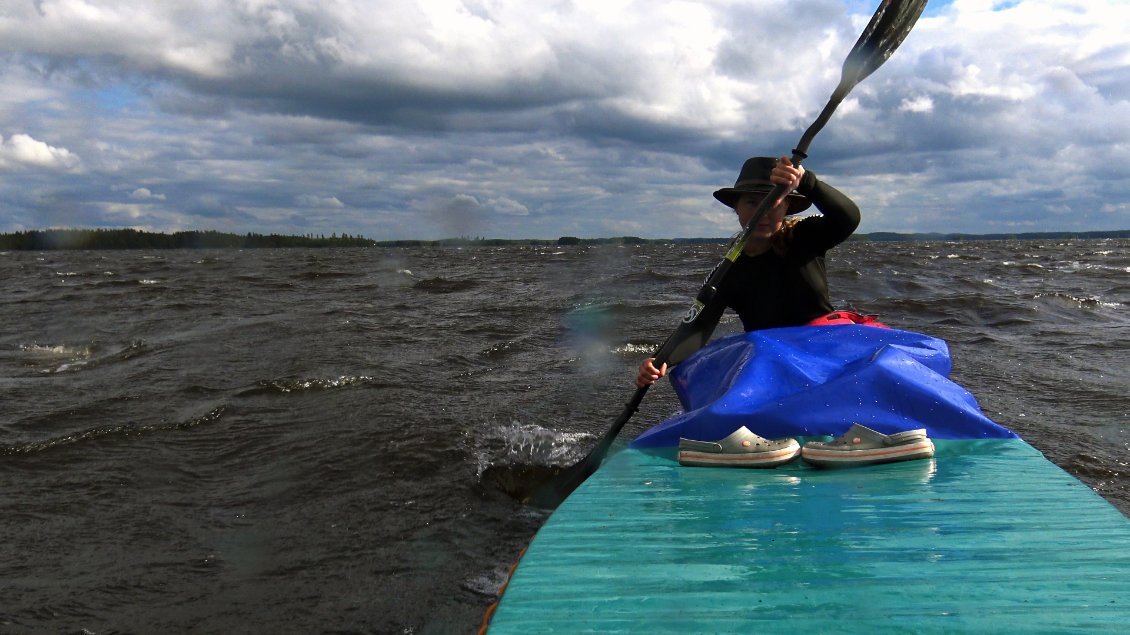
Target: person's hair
(783,237)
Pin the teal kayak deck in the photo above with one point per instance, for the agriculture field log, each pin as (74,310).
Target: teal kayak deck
(989,536)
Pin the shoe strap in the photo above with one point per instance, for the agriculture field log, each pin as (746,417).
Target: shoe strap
(909,436)
(700,446)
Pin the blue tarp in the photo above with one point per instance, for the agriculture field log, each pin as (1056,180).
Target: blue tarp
(816,381)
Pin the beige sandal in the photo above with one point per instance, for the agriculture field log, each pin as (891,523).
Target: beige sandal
(741,449)
(861,445)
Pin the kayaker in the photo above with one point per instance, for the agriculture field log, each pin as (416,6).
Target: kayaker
(780,278)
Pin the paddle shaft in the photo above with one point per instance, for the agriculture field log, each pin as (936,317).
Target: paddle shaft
(706,295)
(693,324)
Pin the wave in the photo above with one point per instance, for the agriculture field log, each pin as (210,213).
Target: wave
(292,385)
(500,350)
(116,430)
(970,257)
(1072,301)
(324,275)
(443,285)
(50,359)
(48,351)
(651,275)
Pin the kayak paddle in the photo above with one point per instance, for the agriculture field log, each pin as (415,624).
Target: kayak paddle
(890,25)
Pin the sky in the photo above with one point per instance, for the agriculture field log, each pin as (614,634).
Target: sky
(401,119)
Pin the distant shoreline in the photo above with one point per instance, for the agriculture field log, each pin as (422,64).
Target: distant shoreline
(83,239)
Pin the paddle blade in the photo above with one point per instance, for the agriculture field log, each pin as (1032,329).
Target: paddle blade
(890,25)
(554,491)
(568,479)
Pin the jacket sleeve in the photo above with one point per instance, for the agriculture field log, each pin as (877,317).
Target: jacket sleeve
(839,215)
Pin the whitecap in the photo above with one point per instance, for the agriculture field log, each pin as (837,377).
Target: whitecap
(56,350)
(635,349)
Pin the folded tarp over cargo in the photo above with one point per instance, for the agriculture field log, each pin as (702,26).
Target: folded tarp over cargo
(816,381)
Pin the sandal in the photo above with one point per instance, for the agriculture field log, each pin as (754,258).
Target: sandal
(861,445)
(741,449)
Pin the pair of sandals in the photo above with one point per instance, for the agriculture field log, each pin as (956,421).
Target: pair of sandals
(860,445)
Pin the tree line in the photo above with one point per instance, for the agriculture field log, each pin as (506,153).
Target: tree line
(79,239)
(46,239)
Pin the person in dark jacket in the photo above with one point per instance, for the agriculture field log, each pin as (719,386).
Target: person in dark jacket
(780,278)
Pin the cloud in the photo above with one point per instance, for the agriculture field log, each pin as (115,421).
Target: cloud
(324,202)
(20,150)
(143,194)
(918,104)
(509,118)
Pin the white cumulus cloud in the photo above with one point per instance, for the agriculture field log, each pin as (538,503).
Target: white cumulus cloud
(143,194)
(321,202)
(22,150)
(918,104)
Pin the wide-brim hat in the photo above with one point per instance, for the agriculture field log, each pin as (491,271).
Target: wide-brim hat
(754,179)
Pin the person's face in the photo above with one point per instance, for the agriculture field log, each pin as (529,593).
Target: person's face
(769,223)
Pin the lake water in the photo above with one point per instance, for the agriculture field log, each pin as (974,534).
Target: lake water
(294,441)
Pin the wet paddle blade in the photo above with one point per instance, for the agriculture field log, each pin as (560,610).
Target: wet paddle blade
(890,25)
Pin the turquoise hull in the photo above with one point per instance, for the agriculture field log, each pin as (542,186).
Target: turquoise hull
(987,537)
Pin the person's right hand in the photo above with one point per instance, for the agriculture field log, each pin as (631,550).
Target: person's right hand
(649,374)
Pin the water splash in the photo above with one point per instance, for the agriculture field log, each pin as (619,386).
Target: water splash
(521,459)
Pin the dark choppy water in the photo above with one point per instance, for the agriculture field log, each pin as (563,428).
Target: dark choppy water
(292,441)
